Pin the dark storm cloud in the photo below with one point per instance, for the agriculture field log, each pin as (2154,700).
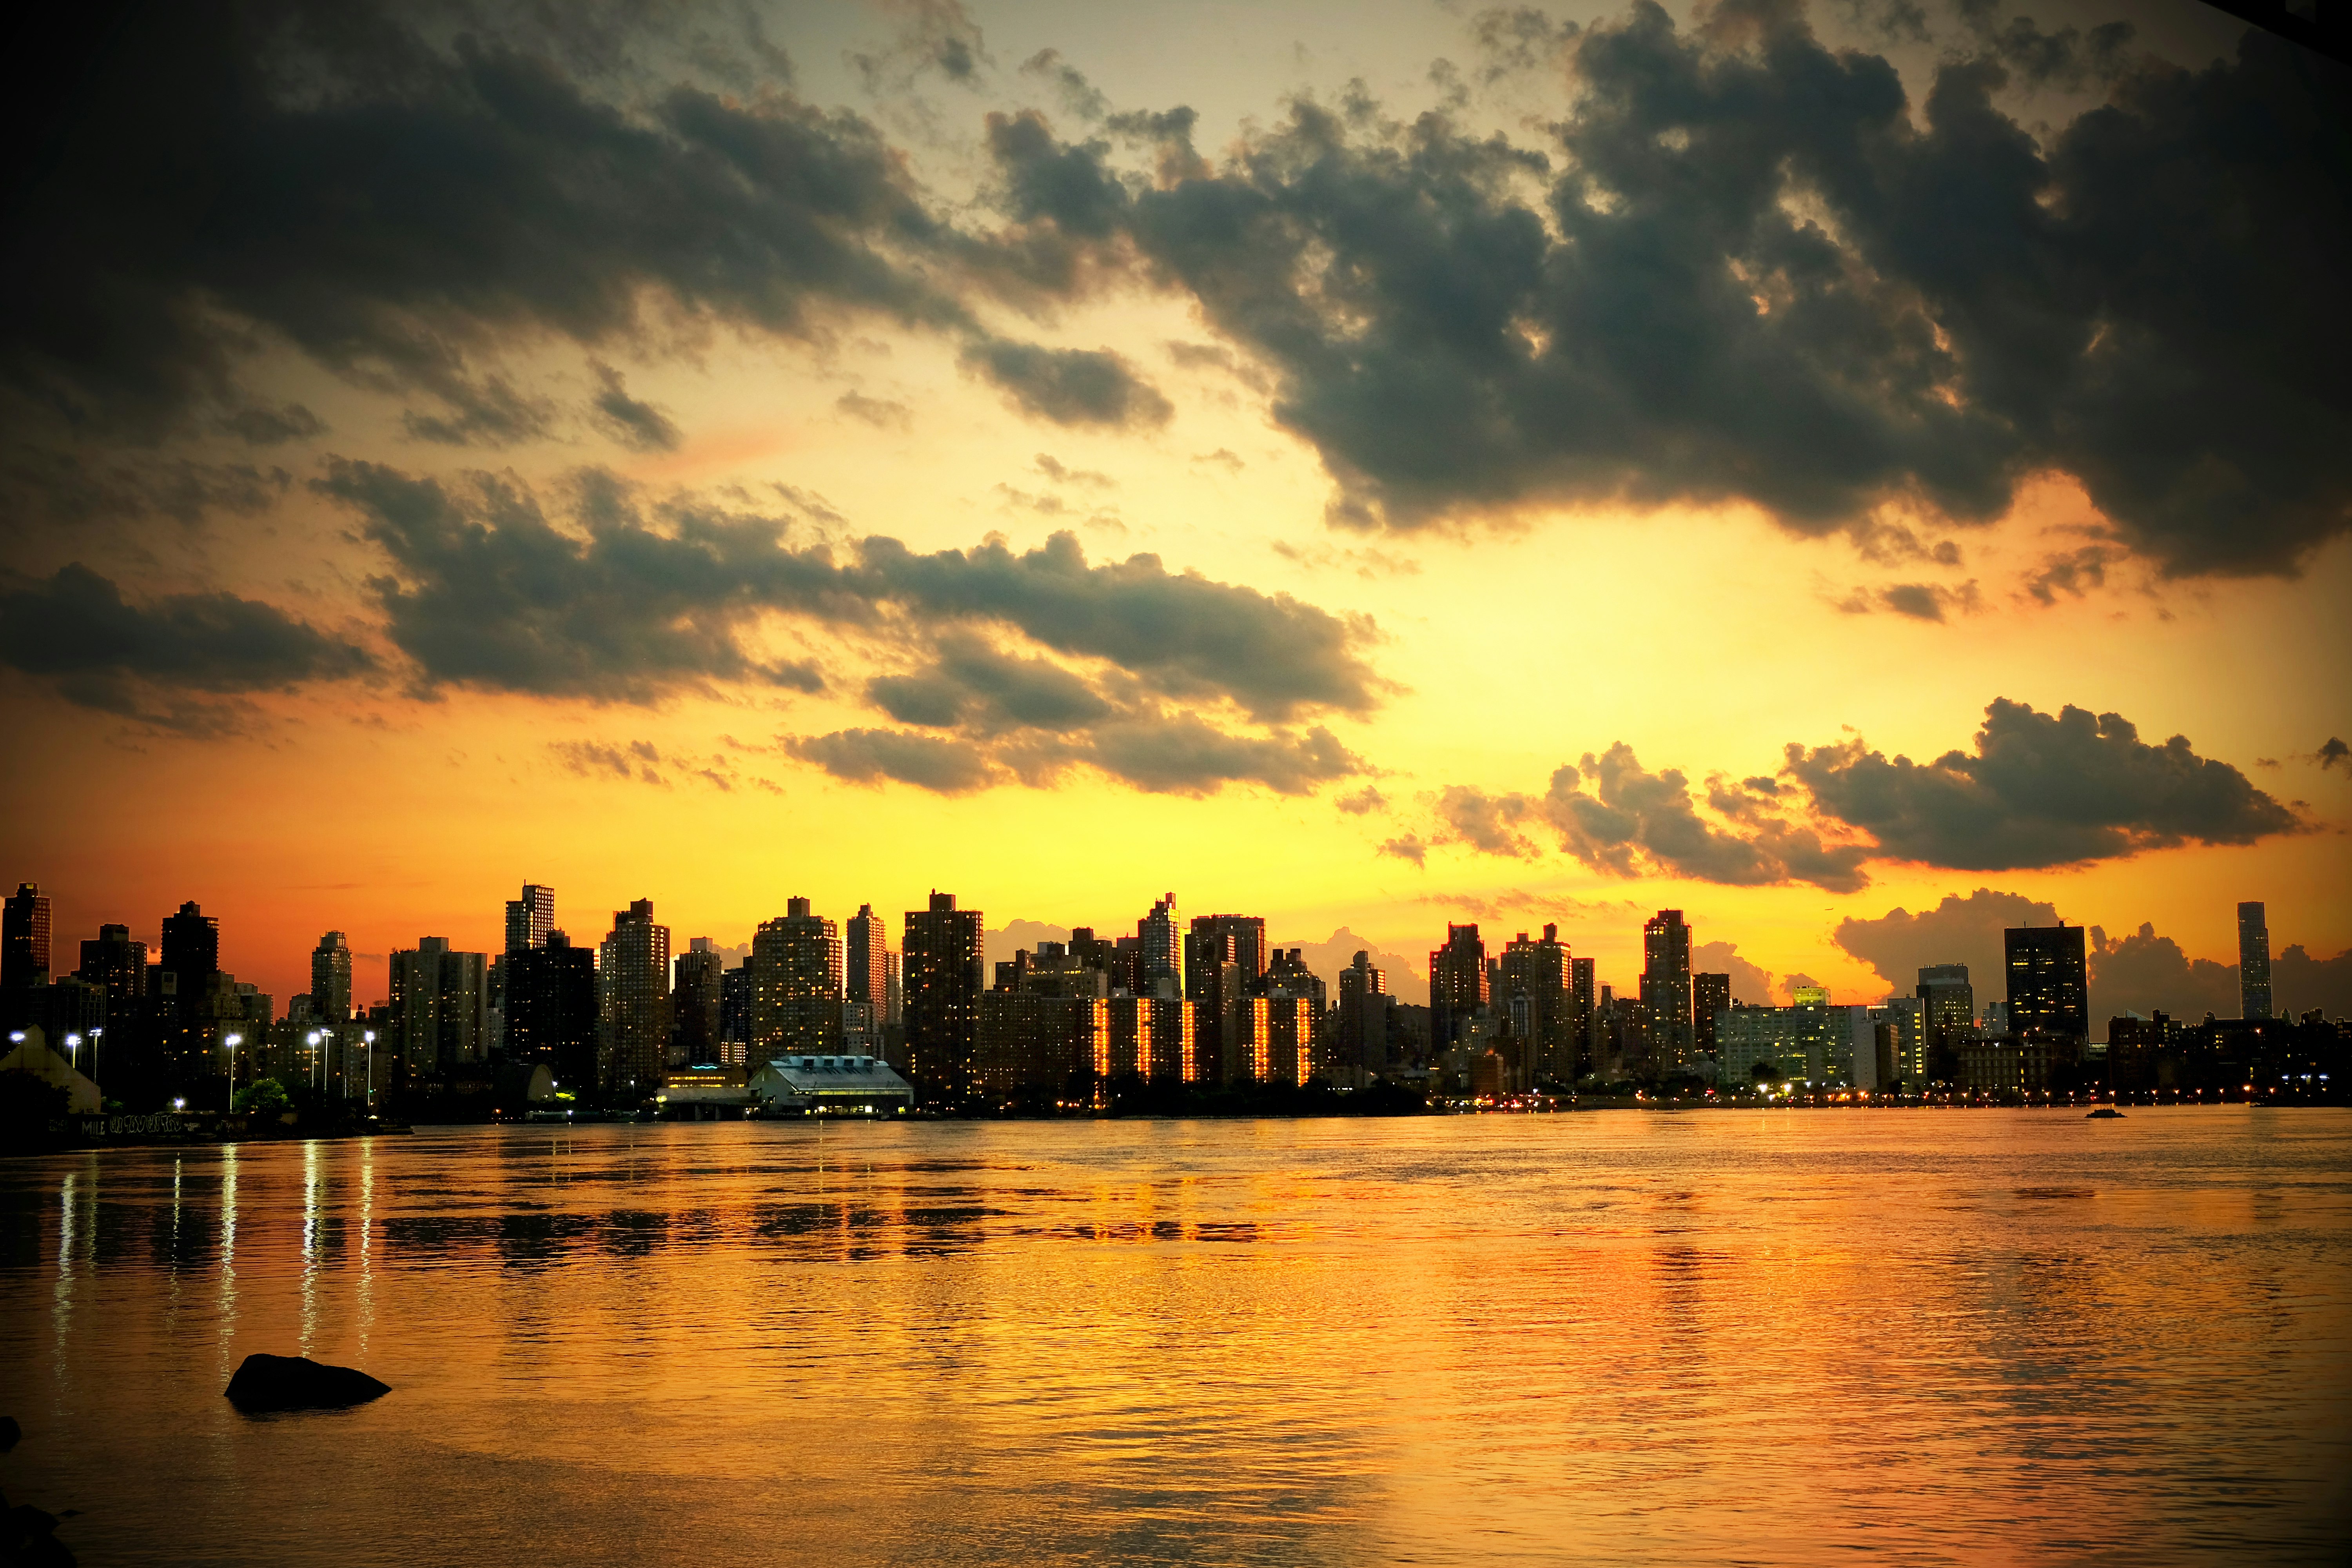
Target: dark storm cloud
(75,630)
(1179,754)
(639,426)
(1752,270)
(486,592)
(631,600)
(1186,635)
(409,213)
(1631,822)
(1069,387)
(2039,789)
(1898,944)
(2335,753)
(389,206)
(870,756)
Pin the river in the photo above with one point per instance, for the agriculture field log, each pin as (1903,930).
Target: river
(1799,1336)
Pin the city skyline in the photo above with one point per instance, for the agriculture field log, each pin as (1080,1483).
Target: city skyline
(1006,540)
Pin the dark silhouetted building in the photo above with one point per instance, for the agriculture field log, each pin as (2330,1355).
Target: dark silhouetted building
(1457,987)
(1538,991)
(632,1004)
(1158,959)
(795,986)
(550,1010)
(2049,994)
(529,919)
(23,951)
(940,981)
(330,979)
(1710,995)
(1361,1031)
(735,1014)
(869,968)
(440,1008)
(1666,989)
(694,1005)
(1947,1008)
(2254,962)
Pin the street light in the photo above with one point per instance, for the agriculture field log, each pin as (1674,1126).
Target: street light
(232,1041)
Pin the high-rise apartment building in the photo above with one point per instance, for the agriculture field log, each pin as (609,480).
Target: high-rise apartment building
(1212,941)
(440,1007)
(190,947)
(1535,981)
(1360,1032)
(2254,962)
(1666,989)
(694,991)
(2049,994)
(735,1015)
(631,1002)
(550,1010)
(116,965)
(1159,957)
(795,986)
(1710,995)
(1457,987)
(940,975)
(529,918)
(1947,1008)
(869,967)
(330,979)
(23,951)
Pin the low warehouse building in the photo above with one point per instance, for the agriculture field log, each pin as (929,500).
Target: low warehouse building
(831,1085)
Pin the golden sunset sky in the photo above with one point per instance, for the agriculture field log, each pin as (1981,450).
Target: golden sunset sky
(447,449)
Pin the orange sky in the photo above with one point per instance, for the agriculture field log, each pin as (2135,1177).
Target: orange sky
(1507,641)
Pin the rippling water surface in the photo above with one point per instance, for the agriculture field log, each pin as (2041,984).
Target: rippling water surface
(1915,1337)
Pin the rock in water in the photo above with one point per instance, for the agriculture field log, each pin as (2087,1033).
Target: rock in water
(267,1383)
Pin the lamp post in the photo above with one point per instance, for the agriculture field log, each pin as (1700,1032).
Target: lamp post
(232,1042)
(367,1037)
(95,1035)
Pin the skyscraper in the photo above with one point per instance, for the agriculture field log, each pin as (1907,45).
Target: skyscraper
(330,979)
(1948,1006)
(2048,992)
(1216,940)
(550,1010)
(1544,1031)
(694,1004)
(440,1007)
(869,964)
(191,945)
(795,985)
(940,978)
(1158,955)
(23,951)
(1710,995)
(1457,986)
(1361,1037)
(116,965)
(529,918)
(2254,962)
(631,1002)
(1666,988)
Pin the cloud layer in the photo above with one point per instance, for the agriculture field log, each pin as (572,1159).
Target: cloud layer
(1748,267)
(2037,790)
(1008,664)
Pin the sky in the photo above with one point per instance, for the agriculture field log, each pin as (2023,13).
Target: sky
(1863,474)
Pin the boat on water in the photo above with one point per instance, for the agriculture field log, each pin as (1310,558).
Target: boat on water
(2104,1113)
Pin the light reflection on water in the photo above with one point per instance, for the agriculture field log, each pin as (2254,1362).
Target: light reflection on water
(1618,1338)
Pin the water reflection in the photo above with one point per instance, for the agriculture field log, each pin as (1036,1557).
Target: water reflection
(1626,1338)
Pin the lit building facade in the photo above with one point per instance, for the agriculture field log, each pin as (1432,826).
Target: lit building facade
(941,979)
(2254,962)
(632,1004)
(796,964)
